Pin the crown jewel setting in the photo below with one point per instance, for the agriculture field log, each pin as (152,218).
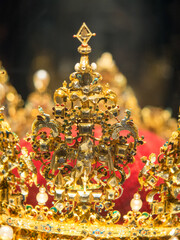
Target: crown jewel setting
(82,156)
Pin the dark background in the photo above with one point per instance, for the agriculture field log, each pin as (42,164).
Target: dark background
(143,37)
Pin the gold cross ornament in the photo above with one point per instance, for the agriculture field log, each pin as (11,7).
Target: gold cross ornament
(84,34)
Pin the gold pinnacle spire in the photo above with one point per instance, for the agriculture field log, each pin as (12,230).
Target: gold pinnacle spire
(84,34)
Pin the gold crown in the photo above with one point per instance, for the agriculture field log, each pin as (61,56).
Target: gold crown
(20,116)
(83,155)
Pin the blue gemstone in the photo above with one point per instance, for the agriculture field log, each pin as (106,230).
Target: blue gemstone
(79,76)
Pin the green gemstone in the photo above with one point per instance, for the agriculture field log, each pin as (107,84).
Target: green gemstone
(54,209)
(145,214)
(28,207)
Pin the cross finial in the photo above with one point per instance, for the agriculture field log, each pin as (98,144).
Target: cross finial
(84,34)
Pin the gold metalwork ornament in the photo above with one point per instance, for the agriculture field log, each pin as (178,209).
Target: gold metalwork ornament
(84,34)
(84,172)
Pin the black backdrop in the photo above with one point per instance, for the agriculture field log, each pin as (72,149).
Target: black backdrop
(143,37)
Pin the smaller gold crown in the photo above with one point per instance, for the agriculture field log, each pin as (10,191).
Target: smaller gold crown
(154,119)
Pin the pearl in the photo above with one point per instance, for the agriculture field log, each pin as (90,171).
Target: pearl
(93,66)
(10,96)
(136,203)
(41,80)
(42,196)
(76,67)
(6,232)
(174,238)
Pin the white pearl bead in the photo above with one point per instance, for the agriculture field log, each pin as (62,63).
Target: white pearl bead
(76,67)
(42,196)
(136,196)
(41,80)
(136,203)
(6,232)
(174,238)
(93,66)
